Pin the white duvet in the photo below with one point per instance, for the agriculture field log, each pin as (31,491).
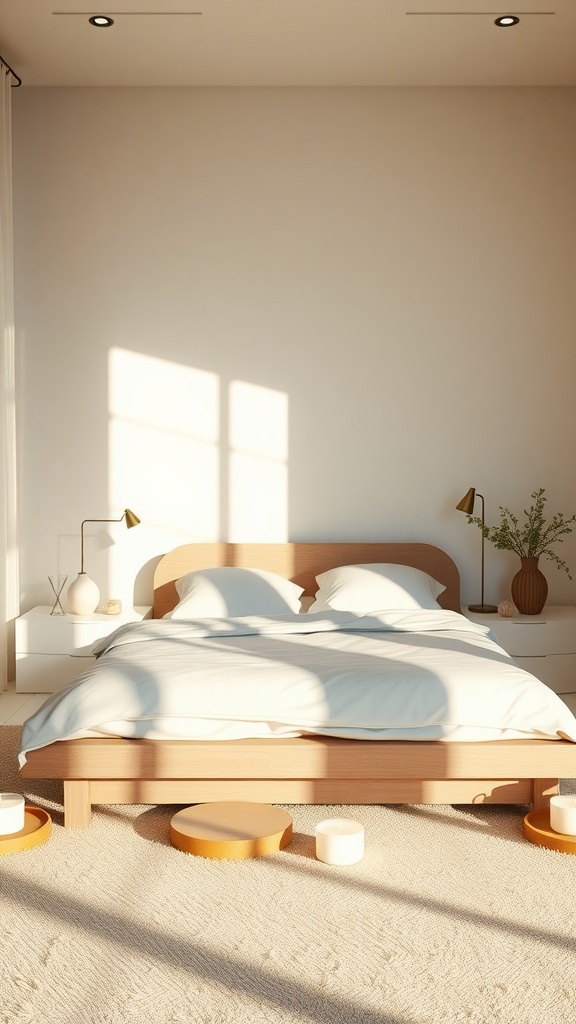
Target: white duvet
(397,675)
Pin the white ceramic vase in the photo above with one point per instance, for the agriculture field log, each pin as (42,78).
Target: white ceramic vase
(83,595)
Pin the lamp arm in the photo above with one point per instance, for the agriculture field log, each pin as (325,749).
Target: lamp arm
(481,496)
(82,534)
(82,545)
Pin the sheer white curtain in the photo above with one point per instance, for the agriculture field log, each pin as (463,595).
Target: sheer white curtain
(9,589)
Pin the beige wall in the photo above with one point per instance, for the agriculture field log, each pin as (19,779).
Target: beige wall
(293,313)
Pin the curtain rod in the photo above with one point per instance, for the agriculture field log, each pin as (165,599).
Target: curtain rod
(10,71)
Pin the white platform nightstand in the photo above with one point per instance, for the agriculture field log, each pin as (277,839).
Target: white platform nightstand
(544,644)
(52,650)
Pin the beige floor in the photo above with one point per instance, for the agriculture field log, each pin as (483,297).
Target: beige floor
(15,708)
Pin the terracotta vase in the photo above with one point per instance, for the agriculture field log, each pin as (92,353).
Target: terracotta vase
(529,588)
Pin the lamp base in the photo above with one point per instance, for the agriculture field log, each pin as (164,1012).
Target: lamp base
(483,609)
(83,595)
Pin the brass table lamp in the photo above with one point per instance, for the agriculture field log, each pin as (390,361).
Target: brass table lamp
(467,506)
(83,594)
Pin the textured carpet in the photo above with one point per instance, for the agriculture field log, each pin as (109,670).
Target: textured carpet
(451,916)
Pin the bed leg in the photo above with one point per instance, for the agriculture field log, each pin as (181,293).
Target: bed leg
(542,790)
(77,804)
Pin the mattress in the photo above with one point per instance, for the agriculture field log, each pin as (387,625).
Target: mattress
(394,675)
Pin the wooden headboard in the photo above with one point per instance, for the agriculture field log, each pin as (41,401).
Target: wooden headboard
(300,563)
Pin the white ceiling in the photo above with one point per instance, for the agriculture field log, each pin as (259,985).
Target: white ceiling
(290,43)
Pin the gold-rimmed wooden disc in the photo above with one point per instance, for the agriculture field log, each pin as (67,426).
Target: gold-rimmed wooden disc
(537,829)
(231,830)
(37,828)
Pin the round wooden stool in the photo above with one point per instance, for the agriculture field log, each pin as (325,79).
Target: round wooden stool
(536,829)
(231,830)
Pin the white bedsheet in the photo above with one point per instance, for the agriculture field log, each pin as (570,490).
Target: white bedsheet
(409,675)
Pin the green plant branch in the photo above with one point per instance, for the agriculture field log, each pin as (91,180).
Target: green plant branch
(535,538)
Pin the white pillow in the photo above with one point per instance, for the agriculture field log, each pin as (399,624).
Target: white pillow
(231,591)
(378,587)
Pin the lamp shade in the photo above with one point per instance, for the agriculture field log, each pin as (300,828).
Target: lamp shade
(467,503)
(131,518)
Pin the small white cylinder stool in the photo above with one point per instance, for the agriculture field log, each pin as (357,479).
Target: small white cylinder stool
(11,813)
(339,841)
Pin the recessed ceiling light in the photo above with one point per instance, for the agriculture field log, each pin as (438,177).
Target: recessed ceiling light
(506,20)
(101,21)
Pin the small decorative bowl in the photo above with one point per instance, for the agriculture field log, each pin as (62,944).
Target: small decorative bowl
(506,609)
(113,606)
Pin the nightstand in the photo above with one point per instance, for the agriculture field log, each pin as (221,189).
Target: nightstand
(52,650)
(544,645)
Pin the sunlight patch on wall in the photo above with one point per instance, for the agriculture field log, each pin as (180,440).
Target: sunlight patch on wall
(164,427)
(258,464)
(196,459)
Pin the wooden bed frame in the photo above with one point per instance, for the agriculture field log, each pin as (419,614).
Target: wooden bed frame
(311,769)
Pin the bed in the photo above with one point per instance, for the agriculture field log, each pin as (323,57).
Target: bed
(309,767)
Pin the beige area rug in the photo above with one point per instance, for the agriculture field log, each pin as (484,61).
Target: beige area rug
(451,916)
